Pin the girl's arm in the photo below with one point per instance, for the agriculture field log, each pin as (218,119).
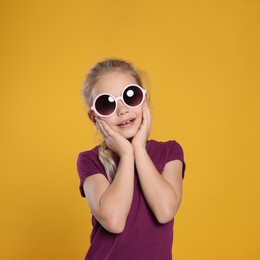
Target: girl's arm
(110,203)
(163,192)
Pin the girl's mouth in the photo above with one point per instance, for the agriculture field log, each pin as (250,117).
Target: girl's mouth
(127,123)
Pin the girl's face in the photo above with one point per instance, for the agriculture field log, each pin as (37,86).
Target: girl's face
(125,121)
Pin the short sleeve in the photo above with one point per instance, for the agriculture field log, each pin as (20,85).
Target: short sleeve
(88,164)
(175,152)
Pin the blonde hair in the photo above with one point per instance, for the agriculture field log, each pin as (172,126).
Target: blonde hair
(105,155)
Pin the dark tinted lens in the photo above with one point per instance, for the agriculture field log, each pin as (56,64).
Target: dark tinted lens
(105,105)
(133,96)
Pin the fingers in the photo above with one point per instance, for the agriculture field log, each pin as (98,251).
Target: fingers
(146,123)
(103,128)
(145,117)
(148,117)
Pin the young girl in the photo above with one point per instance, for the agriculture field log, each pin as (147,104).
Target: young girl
(133,185)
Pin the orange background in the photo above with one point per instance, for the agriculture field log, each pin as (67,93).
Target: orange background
(202,58)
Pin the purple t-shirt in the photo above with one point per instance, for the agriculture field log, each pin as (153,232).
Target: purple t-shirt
(143,238)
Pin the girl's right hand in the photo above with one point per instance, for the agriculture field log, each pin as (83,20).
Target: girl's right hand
(116,142)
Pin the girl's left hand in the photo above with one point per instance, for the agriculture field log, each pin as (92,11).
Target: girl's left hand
(143,133)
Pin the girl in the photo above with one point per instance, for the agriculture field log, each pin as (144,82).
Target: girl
(133,185)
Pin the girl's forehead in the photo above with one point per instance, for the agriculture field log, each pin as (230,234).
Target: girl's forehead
(113,83)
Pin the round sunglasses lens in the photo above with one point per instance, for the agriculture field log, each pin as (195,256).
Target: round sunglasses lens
(105,105)
(133,96)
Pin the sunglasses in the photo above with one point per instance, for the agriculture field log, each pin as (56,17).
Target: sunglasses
(105,104)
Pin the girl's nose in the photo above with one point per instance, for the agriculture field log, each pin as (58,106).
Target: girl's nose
(121,108)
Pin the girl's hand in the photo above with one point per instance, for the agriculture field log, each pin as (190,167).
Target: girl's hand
(144,131)
(116,142)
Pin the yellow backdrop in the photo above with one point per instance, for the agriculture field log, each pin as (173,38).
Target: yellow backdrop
(202,58)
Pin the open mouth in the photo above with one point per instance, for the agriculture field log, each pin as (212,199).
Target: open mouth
(127,122)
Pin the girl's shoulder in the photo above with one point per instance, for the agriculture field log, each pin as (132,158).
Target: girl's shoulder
(168,150)
(88,158)
(162,152)
(154,144)
(90,153)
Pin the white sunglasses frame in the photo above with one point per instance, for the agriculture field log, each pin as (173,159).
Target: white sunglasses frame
(117,99)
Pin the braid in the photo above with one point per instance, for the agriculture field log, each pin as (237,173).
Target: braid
(105,155)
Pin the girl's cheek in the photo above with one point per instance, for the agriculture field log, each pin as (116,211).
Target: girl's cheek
(109,120)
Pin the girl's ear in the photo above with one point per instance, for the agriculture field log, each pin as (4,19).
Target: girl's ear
(91,116)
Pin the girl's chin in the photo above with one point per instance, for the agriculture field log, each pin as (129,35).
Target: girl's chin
(129,137)
(128,134)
